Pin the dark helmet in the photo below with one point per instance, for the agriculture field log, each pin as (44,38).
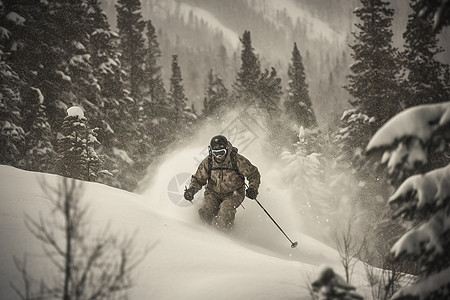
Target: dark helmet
(219,142)
(218,147)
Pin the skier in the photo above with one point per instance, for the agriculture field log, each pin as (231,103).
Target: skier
(223,172)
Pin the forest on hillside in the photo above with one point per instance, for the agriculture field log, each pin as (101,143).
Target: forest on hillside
(55,55)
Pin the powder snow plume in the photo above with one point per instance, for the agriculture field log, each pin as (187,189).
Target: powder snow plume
(165,184)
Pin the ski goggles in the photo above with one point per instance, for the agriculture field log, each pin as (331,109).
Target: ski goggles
(219,153)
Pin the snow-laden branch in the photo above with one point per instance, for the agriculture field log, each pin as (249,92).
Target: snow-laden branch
(406,137)
(425,240)
(429,190)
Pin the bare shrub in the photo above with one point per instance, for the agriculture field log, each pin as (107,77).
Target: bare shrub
(87,266)
(349,249)
(386,281)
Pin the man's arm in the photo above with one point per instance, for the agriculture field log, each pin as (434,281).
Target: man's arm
(200,178)
(249,171)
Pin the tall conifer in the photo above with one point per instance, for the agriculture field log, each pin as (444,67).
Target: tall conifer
(176,91)
(374,87)
(247,81)
(131,29)
(298,105)
(12,135)
(40,153)
(152,67)
(373,81)
(76,155)
(425,79)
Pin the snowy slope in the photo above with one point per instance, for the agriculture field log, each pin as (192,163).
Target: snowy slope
(187,259)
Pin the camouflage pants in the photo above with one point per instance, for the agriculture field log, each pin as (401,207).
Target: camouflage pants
(219,210)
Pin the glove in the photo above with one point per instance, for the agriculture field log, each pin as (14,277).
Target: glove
(189,194)
(251,193)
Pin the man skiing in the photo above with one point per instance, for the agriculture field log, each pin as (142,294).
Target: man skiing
(223,172)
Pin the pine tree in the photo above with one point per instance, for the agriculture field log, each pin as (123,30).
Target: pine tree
(40,154)
(373,82)
(116,111)
(131,29)
(270,91)
(75,29)
(373,85)
(279,132)
(176,91)
(298,105)
(216,95)
(76,155)
(152,69)
(28,56)
(58,63)
(12,135)
(247,80)
(105,54)
(425,80)
(223,60)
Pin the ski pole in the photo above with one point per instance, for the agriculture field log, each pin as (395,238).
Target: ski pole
(293,244)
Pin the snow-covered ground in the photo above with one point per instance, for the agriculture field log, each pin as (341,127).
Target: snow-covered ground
(187,260)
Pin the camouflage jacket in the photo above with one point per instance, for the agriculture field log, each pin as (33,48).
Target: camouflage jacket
(224,179)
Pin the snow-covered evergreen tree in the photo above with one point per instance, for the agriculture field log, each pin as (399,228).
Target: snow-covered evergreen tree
(354,126)
(298,105)
(114,113)
(12,135)
(58,63)
(76,154)
(406,143)
(312,189)
(105,55)
(40,154)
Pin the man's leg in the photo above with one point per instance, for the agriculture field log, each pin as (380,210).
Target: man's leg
(227,210)
(210,208)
